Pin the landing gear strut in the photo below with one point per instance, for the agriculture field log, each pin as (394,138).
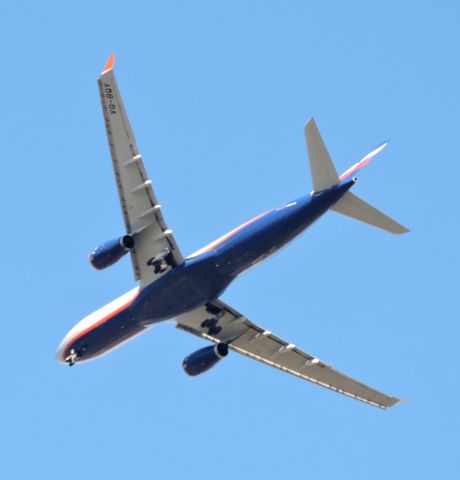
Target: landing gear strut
(71,358)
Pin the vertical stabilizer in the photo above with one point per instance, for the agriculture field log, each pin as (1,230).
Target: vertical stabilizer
(323,172)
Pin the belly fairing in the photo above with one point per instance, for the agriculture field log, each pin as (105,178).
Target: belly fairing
(184,288)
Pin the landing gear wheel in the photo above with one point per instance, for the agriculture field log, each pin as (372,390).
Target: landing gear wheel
(71,358)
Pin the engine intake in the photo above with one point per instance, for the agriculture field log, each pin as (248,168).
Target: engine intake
(110,252)
(203,359)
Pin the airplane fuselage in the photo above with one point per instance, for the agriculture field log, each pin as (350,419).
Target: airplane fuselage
(201,278)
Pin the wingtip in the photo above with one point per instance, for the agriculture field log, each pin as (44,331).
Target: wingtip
(109,64)
(310,121)
(401,230)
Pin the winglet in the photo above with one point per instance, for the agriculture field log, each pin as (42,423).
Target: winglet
(109,65)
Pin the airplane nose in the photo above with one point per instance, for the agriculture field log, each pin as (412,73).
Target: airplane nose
(65,353)
(60,352)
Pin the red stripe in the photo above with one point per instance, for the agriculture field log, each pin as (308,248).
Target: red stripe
(353,169)
(222,239)
(97,324)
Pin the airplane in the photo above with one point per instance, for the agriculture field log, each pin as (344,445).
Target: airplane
(187,289)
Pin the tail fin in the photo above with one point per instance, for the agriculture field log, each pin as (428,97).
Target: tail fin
(354,207)
(323,172)
(324,175)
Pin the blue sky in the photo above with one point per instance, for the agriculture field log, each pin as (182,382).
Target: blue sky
(218,93)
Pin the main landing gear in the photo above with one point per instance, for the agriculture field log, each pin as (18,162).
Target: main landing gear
(162,261)
(71,358)
(211,324)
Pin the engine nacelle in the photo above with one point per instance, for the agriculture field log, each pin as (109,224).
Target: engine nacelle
(110,252)
(203,359)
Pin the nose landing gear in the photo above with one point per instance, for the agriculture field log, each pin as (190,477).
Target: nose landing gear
(71,358)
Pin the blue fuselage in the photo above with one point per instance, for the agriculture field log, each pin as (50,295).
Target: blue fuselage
(204,277)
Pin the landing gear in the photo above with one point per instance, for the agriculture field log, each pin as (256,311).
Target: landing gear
(71,358)
(211,324)
(161,262)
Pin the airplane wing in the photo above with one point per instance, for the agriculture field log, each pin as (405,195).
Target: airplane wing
(218,322)
(155,250)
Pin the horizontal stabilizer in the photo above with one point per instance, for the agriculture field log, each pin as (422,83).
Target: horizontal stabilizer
(323,172)
(363,162)
(354,207)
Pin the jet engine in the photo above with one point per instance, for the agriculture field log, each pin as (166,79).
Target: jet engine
(110,252)
(203,359)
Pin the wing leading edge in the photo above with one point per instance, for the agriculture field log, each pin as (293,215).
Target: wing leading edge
(220,323)
(155,250)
